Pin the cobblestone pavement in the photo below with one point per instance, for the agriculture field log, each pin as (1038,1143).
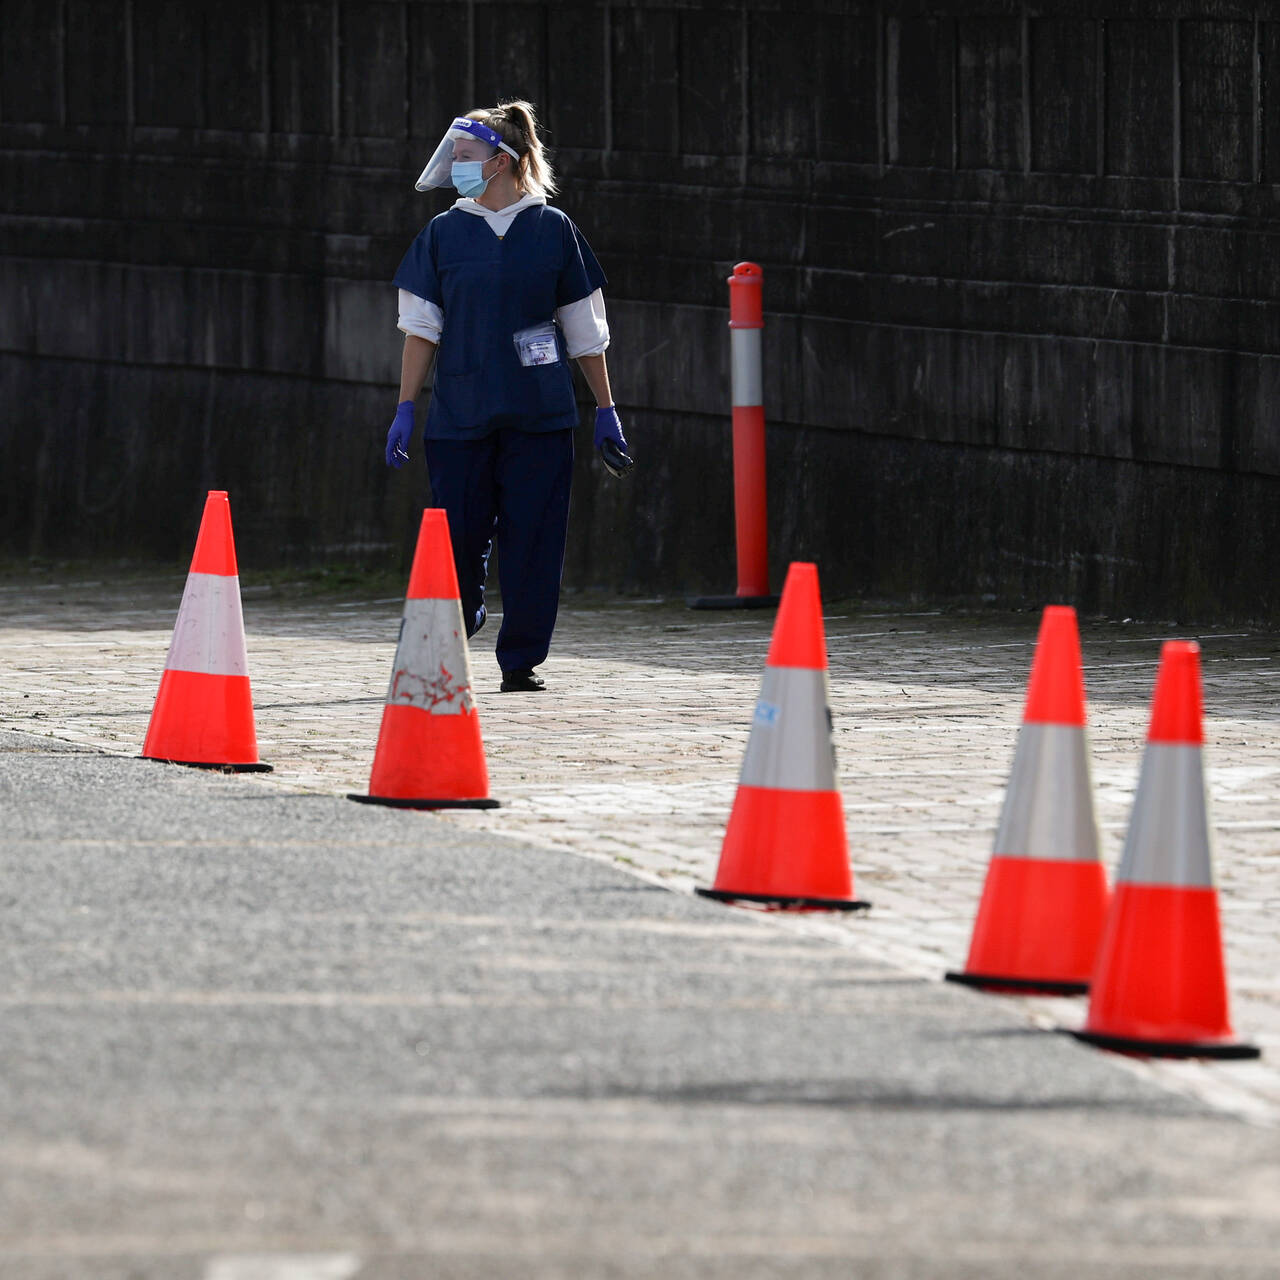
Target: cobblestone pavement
(632,754)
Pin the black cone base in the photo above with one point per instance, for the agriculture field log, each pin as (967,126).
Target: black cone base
(784,901)
(207,764)
(1168,1048)
(1018,986)
(733,602)
(483,803)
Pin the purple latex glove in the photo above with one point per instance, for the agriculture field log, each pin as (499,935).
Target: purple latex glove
(611,443)
(400,435)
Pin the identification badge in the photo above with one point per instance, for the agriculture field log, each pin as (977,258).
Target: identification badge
(537,344)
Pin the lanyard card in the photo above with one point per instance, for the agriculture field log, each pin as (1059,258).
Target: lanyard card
(537,344)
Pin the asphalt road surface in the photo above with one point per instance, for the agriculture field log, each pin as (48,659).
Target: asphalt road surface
(251,1032)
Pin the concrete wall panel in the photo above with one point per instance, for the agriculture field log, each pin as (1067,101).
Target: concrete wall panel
(373,68)
(1064,74)
(235,55)
(31,60)
(96,80)
(1141,137)
(1021,278)
(302,81)
(990,116)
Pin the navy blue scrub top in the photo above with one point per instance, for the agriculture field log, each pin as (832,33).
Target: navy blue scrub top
(489,289)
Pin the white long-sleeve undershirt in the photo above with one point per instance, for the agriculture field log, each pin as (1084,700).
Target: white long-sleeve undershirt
(584,323)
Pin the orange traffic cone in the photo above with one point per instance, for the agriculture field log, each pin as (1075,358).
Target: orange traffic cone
(203,713)
(785,842)
(1044,902)
(429,753)
(1160,985)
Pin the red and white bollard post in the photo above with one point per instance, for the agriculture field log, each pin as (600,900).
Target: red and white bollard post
(746,322)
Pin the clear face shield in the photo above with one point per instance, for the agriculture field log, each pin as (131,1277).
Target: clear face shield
(473,141)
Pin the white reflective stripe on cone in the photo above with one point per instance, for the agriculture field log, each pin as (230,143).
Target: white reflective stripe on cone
(432,670)
(790,747)
(1048,808)
(209,634)
(1168,839)
(748,382)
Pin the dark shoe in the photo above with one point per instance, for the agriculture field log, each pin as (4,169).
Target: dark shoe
(522,681)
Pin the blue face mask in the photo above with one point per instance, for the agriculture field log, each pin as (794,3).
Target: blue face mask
(466,177)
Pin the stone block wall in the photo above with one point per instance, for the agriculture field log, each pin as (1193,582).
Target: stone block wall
(1021,276)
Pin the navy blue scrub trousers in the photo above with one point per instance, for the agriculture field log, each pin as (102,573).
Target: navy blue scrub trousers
(511,487)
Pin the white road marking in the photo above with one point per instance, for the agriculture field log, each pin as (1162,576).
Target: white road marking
(283,1266)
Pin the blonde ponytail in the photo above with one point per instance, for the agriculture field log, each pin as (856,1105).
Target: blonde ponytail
(517,125)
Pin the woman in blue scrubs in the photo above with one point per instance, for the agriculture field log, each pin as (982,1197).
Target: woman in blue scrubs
(499,293)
